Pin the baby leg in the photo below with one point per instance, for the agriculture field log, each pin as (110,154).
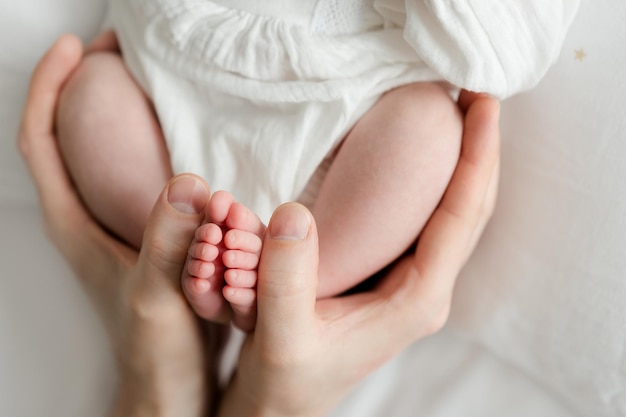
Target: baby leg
(112,145)
(225,255)
(386,180)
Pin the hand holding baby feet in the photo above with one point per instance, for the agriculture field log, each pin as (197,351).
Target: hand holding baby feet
(220,275)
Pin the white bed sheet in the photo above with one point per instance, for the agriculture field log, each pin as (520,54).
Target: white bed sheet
(537,327)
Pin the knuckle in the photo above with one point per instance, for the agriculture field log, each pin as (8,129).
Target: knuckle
(158,252)
(490,206)
(284,359)
(433,316)
(158,248)
(438,318)
(425,309)
(22,144)
(163,254)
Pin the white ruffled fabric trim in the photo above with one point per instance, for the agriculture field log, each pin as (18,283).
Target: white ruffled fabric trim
(263,58)
(500,47)
(225,80)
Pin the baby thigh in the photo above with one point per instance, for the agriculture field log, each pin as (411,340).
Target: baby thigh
(112,144)
(387,178)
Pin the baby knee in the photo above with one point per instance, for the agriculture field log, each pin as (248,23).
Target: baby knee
(97,76)
(427,101)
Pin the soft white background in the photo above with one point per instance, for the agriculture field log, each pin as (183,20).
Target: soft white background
(538,325)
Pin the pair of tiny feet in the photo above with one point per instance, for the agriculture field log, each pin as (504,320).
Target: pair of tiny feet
(219,278)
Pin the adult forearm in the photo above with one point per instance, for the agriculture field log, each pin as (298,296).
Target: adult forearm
(151,394)
(162,386)
(150,397)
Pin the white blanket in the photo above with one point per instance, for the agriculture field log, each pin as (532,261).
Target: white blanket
(538,325)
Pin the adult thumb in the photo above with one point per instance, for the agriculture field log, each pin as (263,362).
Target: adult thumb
(287,276)
(175,217)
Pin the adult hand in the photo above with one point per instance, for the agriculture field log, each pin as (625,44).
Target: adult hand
(305,355)
(156,338)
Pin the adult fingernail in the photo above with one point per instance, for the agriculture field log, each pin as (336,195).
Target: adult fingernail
(290,222)
(187,195)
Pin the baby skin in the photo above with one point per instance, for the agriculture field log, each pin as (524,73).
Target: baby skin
(222,263)
(385,180)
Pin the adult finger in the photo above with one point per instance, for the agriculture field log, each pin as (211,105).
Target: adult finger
(488,207)
(467,98)
(177,214)
(287,277)
(47,80)
(36,139)
(37,143)
(448,238)
(81,241)
(106,41)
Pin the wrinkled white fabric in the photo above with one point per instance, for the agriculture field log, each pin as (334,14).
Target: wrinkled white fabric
(500,47)
(253,96)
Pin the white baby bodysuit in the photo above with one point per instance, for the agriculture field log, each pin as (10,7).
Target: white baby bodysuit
(253,95)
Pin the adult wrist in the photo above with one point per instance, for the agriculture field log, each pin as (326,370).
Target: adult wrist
(157,391)
(157,380)
(161,399)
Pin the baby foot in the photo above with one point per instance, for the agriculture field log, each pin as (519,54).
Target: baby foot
(222,263)
(202,279)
